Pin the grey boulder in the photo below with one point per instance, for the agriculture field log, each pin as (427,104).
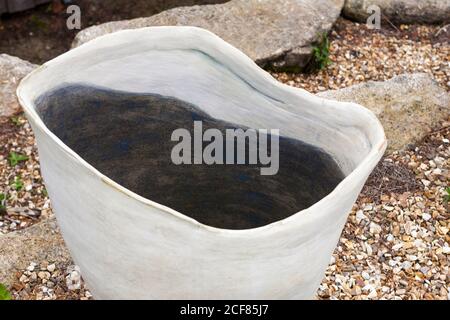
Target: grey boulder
(401,11)
(12,70)
(409,106)
(276,33)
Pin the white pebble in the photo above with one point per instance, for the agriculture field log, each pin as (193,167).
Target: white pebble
(51,267)
(44,275)
(372,294)
(73,280)
(406,265)
(374,228)
(360,216)
(31,266)
(437,171)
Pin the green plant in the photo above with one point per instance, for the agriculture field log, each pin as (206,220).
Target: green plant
(447,195)
(16,120)
(15,158)
(321,53)
(2,203)
(17,184)
(38,23)
(4,293)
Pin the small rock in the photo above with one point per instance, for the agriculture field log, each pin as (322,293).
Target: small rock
(23,278)
(44,275)
(373,294)
(365,275)
(424,270)
(33,276)
(375,228)
(31,266)
(73,279)
(406,265)
(360,216)
(400,291)
(51,267)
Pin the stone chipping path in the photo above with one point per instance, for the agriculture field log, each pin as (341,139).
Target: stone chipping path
(397,247)
(26,198)
(359,54)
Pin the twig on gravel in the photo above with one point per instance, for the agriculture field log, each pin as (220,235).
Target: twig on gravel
(389,21)
(444,28)
(24,212)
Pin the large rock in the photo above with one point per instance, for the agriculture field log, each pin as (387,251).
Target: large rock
(401,11)
(276,33)
(37,243)
(408,106)
(12,70)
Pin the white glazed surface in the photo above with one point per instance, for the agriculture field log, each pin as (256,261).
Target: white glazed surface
(129,247)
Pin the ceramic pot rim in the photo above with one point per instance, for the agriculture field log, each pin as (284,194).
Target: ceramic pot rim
(370,160)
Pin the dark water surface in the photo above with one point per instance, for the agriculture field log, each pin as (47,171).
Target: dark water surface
(127,137)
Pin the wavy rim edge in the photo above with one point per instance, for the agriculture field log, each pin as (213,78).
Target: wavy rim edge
(300,217)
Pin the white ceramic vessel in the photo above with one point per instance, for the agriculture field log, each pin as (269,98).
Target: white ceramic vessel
(129,247)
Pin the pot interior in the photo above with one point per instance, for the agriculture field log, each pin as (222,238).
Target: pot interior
(127,137)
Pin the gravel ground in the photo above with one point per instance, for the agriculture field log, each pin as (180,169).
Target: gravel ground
(359,54)
(26,200)
(50,281)
(396,242)
(398,246)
